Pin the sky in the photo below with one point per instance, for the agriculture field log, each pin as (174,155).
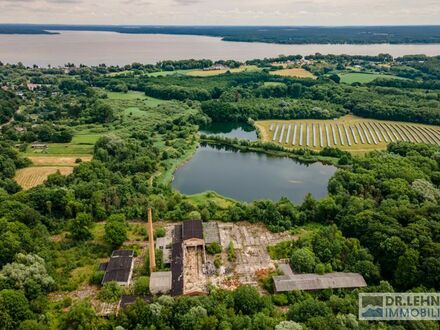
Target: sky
(222,12)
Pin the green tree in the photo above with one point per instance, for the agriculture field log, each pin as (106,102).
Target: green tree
(15,308)
(79,227)
(303,260)
(304,310)
(27,273)
(81,316)
(115,231)
(407,271)
(247,300)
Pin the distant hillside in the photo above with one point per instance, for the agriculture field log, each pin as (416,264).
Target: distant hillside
(268,34)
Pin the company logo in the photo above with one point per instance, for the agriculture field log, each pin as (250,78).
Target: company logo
(399,306)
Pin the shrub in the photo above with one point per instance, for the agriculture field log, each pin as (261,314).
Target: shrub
(97,277)
(110,292)
(142,286)
(214,248)
(160,232)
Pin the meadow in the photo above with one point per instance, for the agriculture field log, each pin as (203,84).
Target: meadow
(294,72)
(363,77)
(350,133)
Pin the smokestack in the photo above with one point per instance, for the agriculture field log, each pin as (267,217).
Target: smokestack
(151,241)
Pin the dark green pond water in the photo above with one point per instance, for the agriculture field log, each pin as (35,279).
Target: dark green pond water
(248,176)
(231,130)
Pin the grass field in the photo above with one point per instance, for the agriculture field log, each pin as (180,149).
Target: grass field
(57,161)
(31,177)
(209,73)
(294,72)
(45,165)
(167,73)
(351,133)
(363,78)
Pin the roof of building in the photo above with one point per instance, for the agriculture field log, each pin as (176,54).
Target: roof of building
(192,229)
(160,282)
(317,282)
(123,253)
(177,269)
(127,300)
(118,269)
(285,268)
(211,232)
(103,266)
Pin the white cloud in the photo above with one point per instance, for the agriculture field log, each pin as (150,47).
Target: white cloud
(244,12)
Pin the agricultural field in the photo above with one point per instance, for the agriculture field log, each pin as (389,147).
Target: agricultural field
(31,177)
(43,166)
(363,77)
(349,133)
(294,72)
(208,73)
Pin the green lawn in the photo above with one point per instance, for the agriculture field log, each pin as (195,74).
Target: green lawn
(125,96)
(167,73)
(363,78)
(81,145)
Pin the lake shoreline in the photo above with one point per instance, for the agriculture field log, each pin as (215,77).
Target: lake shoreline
(114,48)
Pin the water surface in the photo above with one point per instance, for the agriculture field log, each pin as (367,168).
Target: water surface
(248,176)
(231,130)
(93,48)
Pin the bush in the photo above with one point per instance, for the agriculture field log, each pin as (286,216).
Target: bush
(214,248)
(160,232)
(97,277)
(142,286)
(110,292)
(231,252)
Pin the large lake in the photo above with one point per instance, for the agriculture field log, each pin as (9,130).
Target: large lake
(92,48)
(248,176)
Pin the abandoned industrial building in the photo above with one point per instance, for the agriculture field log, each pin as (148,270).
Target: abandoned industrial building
(308,282)
(187,269)
(119,268)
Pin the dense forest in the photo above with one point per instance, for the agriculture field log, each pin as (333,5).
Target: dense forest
(380,217)
(270,34)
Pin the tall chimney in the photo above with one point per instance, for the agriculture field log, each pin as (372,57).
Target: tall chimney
(151,241)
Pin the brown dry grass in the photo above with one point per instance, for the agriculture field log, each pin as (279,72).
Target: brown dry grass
(31,177)
(294,72)
(57,161)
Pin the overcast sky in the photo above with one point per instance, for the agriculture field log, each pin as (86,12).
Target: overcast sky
(217,12)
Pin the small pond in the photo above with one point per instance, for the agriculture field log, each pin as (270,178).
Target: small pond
(248,176)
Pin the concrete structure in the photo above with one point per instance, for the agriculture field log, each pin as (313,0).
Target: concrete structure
(164,244)
(160,282)
(308,282)
(211,232)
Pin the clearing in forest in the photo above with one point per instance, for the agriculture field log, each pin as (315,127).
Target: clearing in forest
(350,133)
(294,72)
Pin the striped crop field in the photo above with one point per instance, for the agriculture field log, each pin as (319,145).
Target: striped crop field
(351,133)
